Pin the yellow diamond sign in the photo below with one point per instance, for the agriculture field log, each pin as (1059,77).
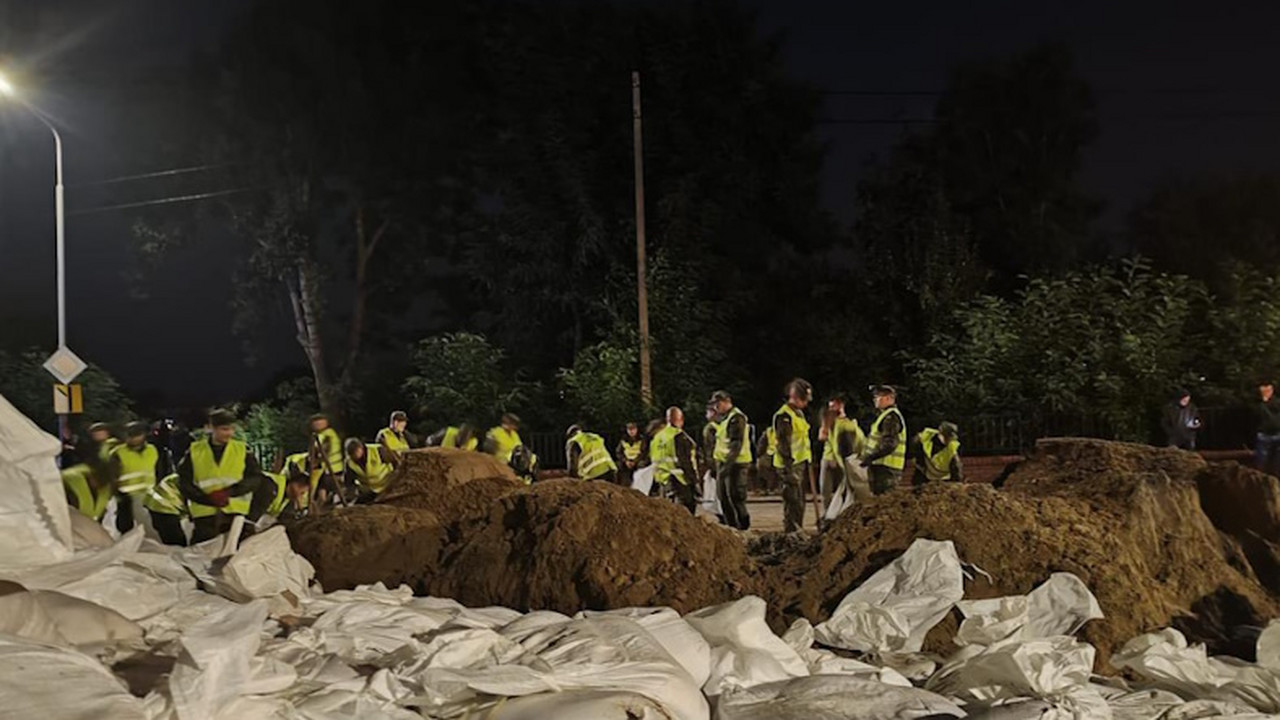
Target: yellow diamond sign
(64,365)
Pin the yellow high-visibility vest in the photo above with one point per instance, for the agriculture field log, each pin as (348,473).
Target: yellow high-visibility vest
(593,458)
(451,435)
(212,475)
(937,465)
(504,442)
(843,426)
(331,445)
(388,439)
(137,468)
(631,450)
(897,459)
(801,451)
(165,497)
(665,458)
(721,453)
(90,501)
(374,473)
(281,498)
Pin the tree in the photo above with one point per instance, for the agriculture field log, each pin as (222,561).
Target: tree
(600,387)
(460,377)
(26,384)
(282,421)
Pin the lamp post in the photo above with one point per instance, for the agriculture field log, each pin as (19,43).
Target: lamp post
(7,90)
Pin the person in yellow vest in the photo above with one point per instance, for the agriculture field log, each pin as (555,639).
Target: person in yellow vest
(103,443)
(285,496)
(732,457)
(840,437)
(674,457)
(504,438)
(794,452)
(320,489)
(707,450)
(632,453)
(461,437)
(937,455)
(326,447)
(766,446)
(885,454)
(395,436)
(588,456)
(88,491)
(166,508)
(135,467)
(368,469)
(218,477)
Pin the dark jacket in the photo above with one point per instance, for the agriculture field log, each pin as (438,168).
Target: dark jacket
(1180,423)
(1268,414)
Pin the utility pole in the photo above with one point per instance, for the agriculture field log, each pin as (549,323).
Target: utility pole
(642,291)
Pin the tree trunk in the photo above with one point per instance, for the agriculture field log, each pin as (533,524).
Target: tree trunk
(365,246)
(306,318)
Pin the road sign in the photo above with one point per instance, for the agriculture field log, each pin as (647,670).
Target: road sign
(64,365)
(68,400)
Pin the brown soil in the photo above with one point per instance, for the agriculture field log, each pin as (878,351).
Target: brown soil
(1125,518)
(371,543)
(567,545)
(458,486)
(1245,504)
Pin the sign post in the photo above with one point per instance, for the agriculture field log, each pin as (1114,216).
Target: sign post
(65,366)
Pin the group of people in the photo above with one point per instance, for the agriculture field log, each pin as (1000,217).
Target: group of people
(218,478)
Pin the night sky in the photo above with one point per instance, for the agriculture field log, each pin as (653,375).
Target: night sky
(1179,91)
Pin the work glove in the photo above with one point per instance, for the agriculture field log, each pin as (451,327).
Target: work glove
(220,498)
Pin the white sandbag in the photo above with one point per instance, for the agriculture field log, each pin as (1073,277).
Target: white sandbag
(361,632)
(832,697)
(1165,657)
(131,590)
(1055,669)
(824,662)
(710,495)
(216,664)
(1268,646)
(642,479)
(265,566)
(89,534)
(77,567)
(580,705)
(1140,704)
(42,682)
(898,605)
(193,605)
(674,633)
(51,617)
(853,485)
(1058,606)
(744,651)
(35,524)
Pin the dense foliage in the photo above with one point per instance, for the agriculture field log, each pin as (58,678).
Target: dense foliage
(26,384)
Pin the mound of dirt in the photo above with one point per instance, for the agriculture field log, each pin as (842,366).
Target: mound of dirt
(1245,504)
(567,545)
(1125,518)
(457,485)
(371,543)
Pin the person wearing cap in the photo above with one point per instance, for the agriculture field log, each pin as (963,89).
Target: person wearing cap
(794,452)
(459,437)
(218,478)
(840,437)
(104,443)
(368,468)
(326,446)
(937,455)
(135,467)
(885,456)
(88,490)
(588,456)
(632,453)
(395,437)
(674,457)
(732,456)
(504,438)
(1181,421)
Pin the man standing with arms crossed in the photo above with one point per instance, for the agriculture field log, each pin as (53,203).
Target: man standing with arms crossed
(794,452)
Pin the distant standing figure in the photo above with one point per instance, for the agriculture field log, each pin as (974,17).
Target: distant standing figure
(793,453)
(394,437)
(1181,421)
(886,451)
(1267,449)
(937,454)
(632,453)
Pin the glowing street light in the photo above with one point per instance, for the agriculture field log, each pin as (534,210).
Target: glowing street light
(7,90)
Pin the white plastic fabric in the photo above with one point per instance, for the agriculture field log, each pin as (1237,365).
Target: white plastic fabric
(898,605)
(744,651)
(57,619)
(217,661)
(833,697)
(35,525)
(642,479)
(1059,606)
(846,493)
(266,567)
(43,682)
(710,496)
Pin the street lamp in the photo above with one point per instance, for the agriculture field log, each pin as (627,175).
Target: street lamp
(7,90)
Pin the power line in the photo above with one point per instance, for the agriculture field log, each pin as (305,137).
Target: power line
(158,173)
(164,201)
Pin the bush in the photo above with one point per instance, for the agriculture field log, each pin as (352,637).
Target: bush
(26,384)
(460,378)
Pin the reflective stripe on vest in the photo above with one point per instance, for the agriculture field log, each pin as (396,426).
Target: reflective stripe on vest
(137,468)
(897,459)
(91,502)
(801,451)
(843,426)
(631,450)
(165,497)
(373,474)
(212,475)
(593,459)
(388,439)
(451,440)
(504,442)
(721,453)
(663,455)
(331,445)
(937,466)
